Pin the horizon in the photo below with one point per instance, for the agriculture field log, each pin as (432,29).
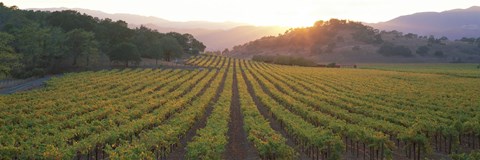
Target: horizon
(281,13)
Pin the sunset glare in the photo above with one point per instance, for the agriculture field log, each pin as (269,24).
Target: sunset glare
(292,13)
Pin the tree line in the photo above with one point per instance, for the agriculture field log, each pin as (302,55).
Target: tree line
(35,43)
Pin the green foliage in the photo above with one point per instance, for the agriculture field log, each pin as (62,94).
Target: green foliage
(8,58)
(155,51)
(147,41)
(41,48)
(475,155)
(389,50)
(69,20)
(129,117)
(81,43)
(210,142)
(457,70)
(188,42)
(125,52)
(170,48)
(54,42)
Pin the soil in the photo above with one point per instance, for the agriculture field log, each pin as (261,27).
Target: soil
(239,147)
(179,152)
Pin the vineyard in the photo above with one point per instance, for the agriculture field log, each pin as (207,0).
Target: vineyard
(226,108)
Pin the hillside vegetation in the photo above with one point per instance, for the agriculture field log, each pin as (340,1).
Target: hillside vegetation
(352,42)
(35,43)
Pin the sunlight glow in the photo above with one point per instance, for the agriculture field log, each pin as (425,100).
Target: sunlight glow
(291,13)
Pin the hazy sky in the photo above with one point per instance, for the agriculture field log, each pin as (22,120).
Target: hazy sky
(257,12)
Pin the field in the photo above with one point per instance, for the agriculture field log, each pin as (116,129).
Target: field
(453,69)
(238,109)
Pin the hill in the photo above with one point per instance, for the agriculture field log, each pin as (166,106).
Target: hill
(215,35)
(345,41)
(453,24)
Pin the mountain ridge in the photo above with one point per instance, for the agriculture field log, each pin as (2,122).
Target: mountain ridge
(454,24)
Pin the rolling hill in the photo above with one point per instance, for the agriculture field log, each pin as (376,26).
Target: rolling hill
(453,24)
(347,42)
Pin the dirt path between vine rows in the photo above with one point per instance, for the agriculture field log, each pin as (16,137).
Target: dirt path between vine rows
(239,147)
(179,153)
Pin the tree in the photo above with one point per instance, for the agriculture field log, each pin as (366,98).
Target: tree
(182,39)
(109,34)
(42,47)
(69,20)
(194,45)
(44,41)
(422,50)
(125,52)
(54,49)
(156,50)
(145,38)
(171,48)
(81,43)
(8,58)
(225,51)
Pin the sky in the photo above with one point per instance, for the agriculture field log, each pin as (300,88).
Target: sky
(291,13)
